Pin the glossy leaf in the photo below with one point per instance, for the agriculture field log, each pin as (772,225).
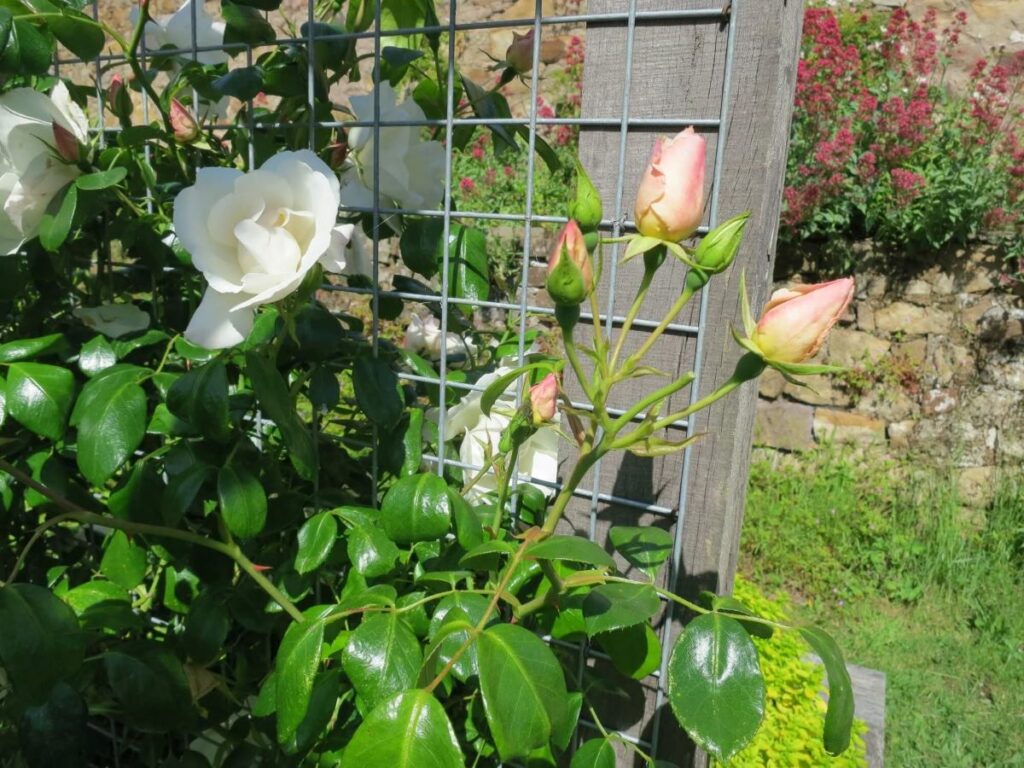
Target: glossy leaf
(523,689)
(382,657)
(715,685)
(56,222)
(123,562)
(243,502)
(78,33)
(420,244)
(206,627)
(24,349)
(201,398)
(40,642)
(101,179)
(245,25)
(595,753)
(572,548)
(112,427)
(272,393)
(644,548)
(372,553)
(377,392)
(468,268)
(416,508)
(243,83)
(39,397)
(316,540)
(839,715)
(28,50)
(151,688)
(635,651)
(297,661)
(409,730)
(613,606)
(96,355)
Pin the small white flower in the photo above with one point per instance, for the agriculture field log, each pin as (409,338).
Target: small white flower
(254,236)
(175,31)
(424,336)
(538,456)
(31,174)
(113,320)
(411,170)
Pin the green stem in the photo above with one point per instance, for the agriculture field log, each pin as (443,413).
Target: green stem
(74,512)
(583,465)
(675,309)
(574,361)
(506,481)
(652,399)
(641,294)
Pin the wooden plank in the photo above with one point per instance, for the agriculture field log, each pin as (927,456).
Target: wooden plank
(677,72)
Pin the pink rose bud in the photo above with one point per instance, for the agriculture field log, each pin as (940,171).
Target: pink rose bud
(119,101)
(544,399)
(670,201)
(339,152)
(66,143)
(519,55)
(185,127)
(796,321)
(570,280)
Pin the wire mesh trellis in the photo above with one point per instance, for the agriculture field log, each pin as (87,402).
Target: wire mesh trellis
(524,304)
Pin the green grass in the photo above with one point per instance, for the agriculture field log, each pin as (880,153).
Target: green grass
(885,558)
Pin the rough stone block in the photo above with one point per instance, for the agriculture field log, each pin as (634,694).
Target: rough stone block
(899,434)
(851,348)
(844,427)
(977,485)
(784,425)
(903,317)
(770,384)
(913,352)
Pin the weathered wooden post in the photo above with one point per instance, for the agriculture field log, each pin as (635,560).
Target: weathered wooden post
(652,68)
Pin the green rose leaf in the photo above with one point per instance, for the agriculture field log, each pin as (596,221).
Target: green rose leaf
(55,732)
(242,83)
(272,393)
(643,548)
(40,642)
(382,657)
(28,50)
(200,397)
(91,182)
(206,627)
(151,687)
(245,25)
(243,503)
(56,222)
(572,548)
(377,391)
(123,562)
(523,689)
(298,659)
(111,427)
(596,753)
(635,651)
(96,355)
(39,397)
(715,685)
(23,349)
(839,715)
(409,730)
(316,540)
(469,275)
(420,244)
(78,33)
(372,553)
(416,508)
(614,606)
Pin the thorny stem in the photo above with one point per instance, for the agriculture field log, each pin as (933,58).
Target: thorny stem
(73,512)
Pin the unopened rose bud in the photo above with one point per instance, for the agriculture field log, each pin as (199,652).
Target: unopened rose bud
(670,200)
(519,56)
(544,400)
(718,248)
(185,127)
(796,321)
(66,143)
(585,207)
(339,151)
(570,273)
(119,101)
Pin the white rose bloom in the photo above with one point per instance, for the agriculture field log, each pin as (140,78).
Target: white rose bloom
(423,336)
(254,236)
(411,170)
(113,320)
(31,174)
(175,31)
(538,455)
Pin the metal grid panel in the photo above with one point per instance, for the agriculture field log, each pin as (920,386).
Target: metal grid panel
(520,309)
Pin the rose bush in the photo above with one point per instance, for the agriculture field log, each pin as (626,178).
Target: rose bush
(243,522)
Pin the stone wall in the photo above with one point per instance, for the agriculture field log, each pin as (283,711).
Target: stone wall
(935,370)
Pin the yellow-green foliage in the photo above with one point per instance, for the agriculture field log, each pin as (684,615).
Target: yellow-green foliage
(790,736)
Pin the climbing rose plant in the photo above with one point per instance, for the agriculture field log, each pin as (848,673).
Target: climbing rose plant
(226,539)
